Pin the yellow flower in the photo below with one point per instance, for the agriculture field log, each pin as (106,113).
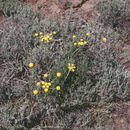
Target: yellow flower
(42,40)
(81,40)
(50,38)
(85,42)
(43,82)
(46,83)
(104,39)
(31,65)
(75,44)
(43,86)
(58,74)
(54,32)
(88,34)
(74,36)
(47,41)
(80,43)
(50,34)
(46,36)
(46,90)
(38,83)
(49,84)
(41,33)
(58,88)
(35,92)
(36,34)
(71,67)
(46,75)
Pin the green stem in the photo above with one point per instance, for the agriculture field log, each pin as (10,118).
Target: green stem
(75,51)
(45,56)
(67,76)
(53,80)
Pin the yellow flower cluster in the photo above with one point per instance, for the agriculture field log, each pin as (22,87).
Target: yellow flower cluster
(45,85)
(47,37)
(71,67)
(80,43)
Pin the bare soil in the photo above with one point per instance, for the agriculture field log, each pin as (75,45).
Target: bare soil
(1,17)
(57,8)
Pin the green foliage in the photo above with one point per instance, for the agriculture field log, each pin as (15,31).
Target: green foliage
(115,12)
(11,8)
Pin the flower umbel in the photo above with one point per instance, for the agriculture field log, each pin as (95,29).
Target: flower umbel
(42,82)
(36,34)
(58,88)
(75,43)
(80,43)
(87,34)
(81,40)
(30,64)
(47,38)
(46,90)
(35,92)
(74,36)
(49,83)
(43,86)
(104,39)
(38,83)
(71,67)
(54,32)
(46,75)
(58,74)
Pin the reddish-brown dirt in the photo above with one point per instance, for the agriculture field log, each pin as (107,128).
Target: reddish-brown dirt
(121,118)
(116,116)
(57,8)
(1,17)
(125,57)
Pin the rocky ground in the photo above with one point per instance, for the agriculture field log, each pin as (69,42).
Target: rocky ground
(58,7)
